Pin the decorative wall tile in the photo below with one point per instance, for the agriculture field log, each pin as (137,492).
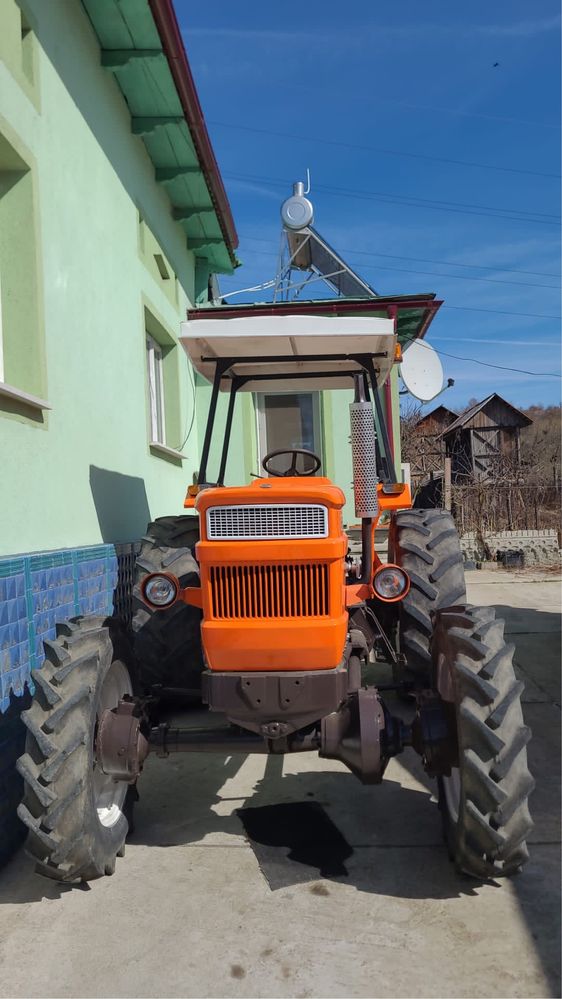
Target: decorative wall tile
(38,591)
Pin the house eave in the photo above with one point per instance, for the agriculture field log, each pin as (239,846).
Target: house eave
(141,46)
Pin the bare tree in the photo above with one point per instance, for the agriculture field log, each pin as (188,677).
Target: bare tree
(410,415)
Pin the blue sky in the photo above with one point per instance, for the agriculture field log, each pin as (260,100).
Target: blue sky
(343,89)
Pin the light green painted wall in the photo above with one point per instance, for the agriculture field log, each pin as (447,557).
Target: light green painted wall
(338,465)
(242,454)
(84,472)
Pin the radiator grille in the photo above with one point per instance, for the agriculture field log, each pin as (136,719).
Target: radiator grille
(269,591)
(238,523)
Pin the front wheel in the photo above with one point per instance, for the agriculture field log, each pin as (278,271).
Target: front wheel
(426,544)
(77,816)
(168,641)
(484,802)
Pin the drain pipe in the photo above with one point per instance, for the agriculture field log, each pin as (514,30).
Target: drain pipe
(365,478)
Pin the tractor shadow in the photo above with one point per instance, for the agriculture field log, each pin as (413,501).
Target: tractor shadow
(305,827)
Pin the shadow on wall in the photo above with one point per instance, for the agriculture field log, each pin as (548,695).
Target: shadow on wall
(121,504)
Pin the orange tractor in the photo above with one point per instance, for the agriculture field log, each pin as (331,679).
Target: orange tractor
(258,605)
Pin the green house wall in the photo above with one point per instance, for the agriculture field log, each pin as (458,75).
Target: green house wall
(82,472)
(84,286)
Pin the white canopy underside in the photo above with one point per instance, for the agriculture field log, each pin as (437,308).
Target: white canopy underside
(278,344)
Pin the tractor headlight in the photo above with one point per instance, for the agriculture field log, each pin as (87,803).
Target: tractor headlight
(390,582)
(160,590)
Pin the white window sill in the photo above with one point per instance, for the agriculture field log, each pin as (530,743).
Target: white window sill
(168,452)
(30,400)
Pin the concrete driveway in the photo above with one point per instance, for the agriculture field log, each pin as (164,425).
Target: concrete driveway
(194,909)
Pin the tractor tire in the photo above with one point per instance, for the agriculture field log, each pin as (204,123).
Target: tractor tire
(168,642)
(76,816)
(426,544)
(484,803)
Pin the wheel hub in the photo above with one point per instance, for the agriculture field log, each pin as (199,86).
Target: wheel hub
(120,745)
(434,734)
(109,795)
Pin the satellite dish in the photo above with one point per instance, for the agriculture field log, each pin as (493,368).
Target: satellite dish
(421,371)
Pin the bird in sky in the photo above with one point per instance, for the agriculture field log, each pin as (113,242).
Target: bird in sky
(495,64)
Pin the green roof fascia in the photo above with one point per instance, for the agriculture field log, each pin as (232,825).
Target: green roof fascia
(132,50)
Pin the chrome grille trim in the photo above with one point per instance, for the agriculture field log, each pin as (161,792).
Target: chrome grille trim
(267,521)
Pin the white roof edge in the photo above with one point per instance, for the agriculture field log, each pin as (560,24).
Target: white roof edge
(291,337)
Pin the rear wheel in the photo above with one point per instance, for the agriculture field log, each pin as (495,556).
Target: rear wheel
(484,803)
(77,817)
(426,544)
(168,642)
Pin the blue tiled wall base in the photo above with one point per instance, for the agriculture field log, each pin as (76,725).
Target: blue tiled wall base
(36,592)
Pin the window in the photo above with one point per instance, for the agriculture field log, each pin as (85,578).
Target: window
(155,365)
(157,263)
(289,420)
(22,367)
(165,423)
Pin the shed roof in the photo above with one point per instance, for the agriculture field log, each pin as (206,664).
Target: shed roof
(465,418)
(141,45)
(442,410)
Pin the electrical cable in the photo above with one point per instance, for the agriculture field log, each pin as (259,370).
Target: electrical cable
(462,308)
(432,202)
(433,109)
(378,149)
(486,364)
(459,277)
(427,260)
(192,380)
(406,202)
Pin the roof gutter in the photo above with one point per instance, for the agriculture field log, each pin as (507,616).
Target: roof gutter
(172,44)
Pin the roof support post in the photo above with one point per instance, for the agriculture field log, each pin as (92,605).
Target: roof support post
(146,125)
(235,385)
(115,58)
(222,365)
(165,175)
(184,214)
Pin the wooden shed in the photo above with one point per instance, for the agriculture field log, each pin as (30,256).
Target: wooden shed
(436,421)
(484,438)
(426,445)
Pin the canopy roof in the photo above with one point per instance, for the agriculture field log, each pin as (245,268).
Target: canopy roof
(414,313)
(316,352)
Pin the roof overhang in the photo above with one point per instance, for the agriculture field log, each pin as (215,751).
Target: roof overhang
(141,45)
(289,351)
(413,314)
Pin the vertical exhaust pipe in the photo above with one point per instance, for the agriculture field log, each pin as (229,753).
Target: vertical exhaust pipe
(365,478)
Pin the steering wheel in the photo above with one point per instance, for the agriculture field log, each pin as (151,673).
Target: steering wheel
(292,469)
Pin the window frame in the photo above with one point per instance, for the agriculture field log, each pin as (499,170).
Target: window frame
(156,401)
(261,421)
